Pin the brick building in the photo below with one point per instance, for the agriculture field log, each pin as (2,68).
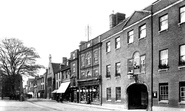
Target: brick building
(89,81)
(143,59)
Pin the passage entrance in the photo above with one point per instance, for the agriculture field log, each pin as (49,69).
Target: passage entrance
(137,96)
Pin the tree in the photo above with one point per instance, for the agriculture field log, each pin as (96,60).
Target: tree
(17,59)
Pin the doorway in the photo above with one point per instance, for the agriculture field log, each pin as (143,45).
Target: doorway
(137,96)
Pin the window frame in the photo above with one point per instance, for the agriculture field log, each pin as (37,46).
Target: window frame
(165,94)
(181,63)
(163,21)
(117,42)
(108,71)
(182,85)
(129,35)
(108,91)
(118,93)
(141,65)
(118,69)
(180,14)
(108,47)
(163,66)
(141,30)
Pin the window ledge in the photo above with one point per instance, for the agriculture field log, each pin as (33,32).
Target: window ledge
(108,78)
(109,100)
(161,70)
(142,38)
(163,102)
(181,67)
(108,52)
(118,101)
(117,48)
(182,103)
(117,76)
(162,30)
(179,24)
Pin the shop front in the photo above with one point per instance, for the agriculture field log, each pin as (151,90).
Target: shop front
(89,92)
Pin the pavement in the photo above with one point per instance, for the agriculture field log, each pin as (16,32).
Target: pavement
(74,106)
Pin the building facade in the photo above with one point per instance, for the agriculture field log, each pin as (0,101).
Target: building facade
(89,81)
(74,66)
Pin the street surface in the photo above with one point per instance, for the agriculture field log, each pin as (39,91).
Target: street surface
(45,105)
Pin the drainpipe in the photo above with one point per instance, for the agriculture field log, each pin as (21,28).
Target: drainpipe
(152,56)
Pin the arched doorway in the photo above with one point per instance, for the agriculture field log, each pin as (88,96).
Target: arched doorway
(137,96)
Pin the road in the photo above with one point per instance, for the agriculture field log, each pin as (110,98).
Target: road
(45,105)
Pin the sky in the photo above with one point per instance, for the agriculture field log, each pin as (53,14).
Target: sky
(56,27)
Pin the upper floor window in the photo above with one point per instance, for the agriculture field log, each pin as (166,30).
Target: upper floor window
(73,68)
(88,58)
(82,73)
(182,91)
(89,74)
(143,57)
(142,31)
(130,66)
(182,14)
(82,60)
(182,55)
(163,91)
(117,42)
(163,59)
(163,22)
(108,67)
(131,36)
(118,93)
(96,57)
(108,46)
(118,69)
(96,72)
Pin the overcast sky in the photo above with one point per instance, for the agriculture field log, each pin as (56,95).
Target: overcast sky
(56,27)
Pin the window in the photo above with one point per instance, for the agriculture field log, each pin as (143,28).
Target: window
(73,68)
(96,72)
(88,58)
(142,31)
(96,57)
(130,36)
(163,24)
(182,55)
(89,74)
(163,63)
(82,74)
(182,91)
(117,42)
(118,93)
(182,14)
(109,93)
(130,66)
(108,46)
(163,91)
(143,64)
(118,69)
(82,60)
(108,71)
(136,62)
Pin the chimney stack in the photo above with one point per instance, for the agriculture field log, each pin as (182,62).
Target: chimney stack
(64,60)
(115,19)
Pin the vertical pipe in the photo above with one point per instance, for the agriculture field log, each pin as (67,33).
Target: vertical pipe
(151,56)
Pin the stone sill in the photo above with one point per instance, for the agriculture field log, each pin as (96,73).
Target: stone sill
(163,102)
(161,70)
(182,103)
(181,67)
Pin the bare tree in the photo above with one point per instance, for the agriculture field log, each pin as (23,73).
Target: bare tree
(17,59)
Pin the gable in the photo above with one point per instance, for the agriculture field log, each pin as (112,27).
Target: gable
(136,16)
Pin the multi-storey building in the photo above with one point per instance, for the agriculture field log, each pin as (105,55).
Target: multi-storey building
(74,66)
(64,89)
(89,81)
(143,59)
(53,68)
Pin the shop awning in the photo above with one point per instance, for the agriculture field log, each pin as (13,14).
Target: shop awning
(63,87)
(55,91)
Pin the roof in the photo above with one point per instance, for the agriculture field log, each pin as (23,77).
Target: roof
(56,67)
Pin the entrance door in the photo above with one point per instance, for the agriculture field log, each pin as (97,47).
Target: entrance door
(137,96)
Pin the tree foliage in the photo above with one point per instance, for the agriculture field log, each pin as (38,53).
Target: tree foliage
(15,58)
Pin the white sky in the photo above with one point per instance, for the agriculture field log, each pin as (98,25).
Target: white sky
(56,27)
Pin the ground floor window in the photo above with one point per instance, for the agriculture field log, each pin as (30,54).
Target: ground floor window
(118,93)
(163,91)
(182,91)
(108,93)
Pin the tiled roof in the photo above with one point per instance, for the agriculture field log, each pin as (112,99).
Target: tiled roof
(56,67)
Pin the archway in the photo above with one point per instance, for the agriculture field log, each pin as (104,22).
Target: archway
(137,96)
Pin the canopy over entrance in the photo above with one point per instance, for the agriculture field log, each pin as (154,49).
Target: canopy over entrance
(63,87)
